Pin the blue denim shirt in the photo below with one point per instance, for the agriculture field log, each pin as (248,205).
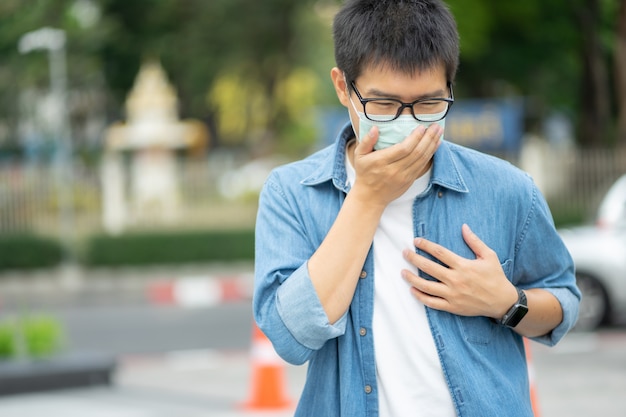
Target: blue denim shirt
(483,362)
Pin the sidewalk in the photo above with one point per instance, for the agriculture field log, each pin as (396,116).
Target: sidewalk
(582,377)
(178,384)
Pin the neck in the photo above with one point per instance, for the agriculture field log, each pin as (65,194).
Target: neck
(350,147)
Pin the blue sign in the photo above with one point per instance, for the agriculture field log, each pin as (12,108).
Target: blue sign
(491,125)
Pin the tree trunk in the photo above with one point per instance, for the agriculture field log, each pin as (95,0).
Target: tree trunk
(595,100)
(620,74)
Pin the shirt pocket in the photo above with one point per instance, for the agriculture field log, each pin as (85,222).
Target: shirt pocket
(479,329)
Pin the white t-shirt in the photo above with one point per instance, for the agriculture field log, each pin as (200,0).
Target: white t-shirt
(409,374)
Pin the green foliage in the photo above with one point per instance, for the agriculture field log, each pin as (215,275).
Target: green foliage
(526,46)
(195,40)
(168,248)
(474,27)
(8,345)
(531,48)
(33,337)
(569,216)
(199,41)
(42,336)
(27,251)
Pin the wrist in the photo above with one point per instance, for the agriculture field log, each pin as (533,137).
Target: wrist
(367,200)
(516,312)
(507,300)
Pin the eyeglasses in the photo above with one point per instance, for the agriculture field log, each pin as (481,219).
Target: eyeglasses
(388,109)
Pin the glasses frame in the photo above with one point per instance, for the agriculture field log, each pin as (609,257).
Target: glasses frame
(404,105)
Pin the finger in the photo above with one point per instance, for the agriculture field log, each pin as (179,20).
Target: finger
(420,146)
(480,249)
(429,293)
(427,266)
(431,301)
(366,144)
(439,252)
(416,149)
(401,152)
(431,288)
(424,139)
(433,139)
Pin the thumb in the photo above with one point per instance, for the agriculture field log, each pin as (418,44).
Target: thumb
(366,144)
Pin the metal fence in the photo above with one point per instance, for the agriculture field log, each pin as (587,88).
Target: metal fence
(576,181)
(573,183)
(29,202)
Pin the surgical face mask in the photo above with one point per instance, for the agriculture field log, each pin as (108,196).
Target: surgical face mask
(394,131)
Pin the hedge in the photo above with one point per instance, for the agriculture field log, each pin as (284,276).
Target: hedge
(29,251)
(169,248)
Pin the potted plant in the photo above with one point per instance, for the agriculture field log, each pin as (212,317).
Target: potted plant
(32,358)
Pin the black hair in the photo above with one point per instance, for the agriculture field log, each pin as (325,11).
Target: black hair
(406,35)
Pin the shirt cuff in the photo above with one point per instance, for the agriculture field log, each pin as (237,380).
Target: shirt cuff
(302,313)
(569,304)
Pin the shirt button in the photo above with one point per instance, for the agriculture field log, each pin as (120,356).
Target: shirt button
(363,274)
(440,194)
(368,389)
(362,331)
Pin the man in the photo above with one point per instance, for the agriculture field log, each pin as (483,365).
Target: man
(406,269)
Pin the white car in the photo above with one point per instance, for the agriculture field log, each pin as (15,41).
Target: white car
(599,253)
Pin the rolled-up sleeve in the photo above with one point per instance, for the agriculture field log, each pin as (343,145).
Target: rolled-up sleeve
(569,303)
(286,306)
(548,265)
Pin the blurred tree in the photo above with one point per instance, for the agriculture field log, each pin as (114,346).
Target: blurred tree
(262,43)
(526,49)
(557,54)
(595,107)
(250,43)
(620,73)
(238,64)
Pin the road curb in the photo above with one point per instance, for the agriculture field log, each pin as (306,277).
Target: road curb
(201,291)
(77,286)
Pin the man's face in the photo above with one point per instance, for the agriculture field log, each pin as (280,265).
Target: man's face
(382,82)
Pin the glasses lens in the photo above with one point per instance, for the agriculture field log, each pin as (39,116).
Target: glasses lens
(382,110)
(431,110)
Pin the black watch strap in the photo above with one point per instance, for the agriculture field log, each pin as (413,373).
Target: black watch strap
(517,312)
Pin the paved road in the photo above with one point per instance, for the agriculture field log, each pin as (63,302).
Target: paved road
(183,362)
(145,328)
(585,375)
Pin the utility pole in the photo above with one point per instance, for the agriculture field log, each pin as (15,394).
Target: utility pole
(54,40)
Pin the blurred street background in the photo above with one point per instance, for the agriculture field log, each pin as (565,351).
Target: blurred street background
(179,358)
(135,137)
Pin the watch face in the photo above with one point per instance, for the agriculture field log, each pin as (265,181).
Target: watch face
(517,315)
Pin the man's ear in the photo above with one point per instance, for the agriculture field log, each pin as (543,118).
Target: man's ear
(341,88)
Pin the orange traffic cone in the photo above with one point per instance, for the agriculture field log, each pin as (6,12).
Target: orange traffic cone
(268,387)
(531,378)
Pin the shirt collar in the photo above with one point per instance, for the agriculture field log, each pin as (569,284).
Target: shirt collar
(333,168)
(445,170)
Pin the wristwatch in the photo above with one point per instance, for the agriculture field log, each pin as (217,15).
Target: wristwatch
(516,313)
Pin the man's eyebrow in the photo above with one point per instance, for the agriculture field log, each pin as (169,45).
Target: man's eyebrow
(374,92)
